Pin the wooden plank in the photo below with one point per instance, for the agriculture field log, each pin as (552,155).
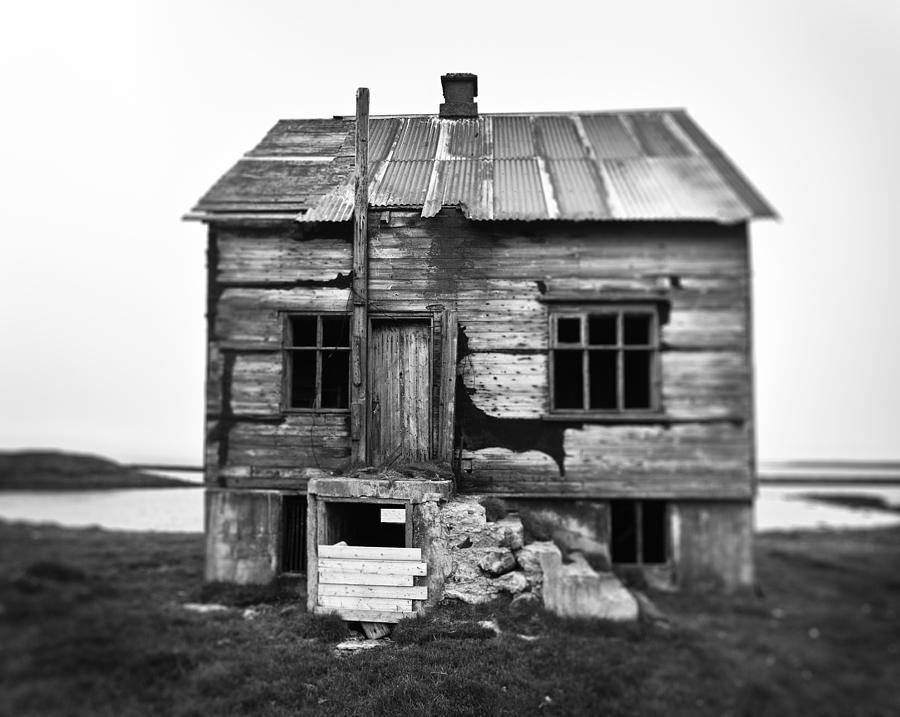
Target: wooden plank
(271,258)
(338,577)
(296,439)
(359,324)
(381,567)
(365,615)
(364,603)
(363,552)
(415,592)
(447,392)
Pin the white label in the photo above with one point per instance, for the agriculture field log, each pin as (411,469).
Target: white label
(393,515)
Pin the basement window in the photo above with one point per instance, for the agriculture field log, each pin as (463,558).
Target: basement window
(317,361)
(638,530)
(293,534)
(605,361)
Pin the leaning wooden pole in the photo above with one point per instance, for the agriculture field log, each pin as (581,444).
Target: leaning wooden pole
(359,341)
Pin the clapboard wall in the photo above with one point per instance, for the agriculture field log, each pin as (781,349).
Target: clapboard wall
(499,276)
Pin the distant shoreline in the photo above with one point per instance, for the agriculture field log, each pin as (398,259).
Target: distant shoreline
(59,471)
(787,479)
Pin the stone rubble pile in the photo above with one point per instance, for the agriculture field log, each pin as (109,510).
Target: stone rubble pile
(484,559)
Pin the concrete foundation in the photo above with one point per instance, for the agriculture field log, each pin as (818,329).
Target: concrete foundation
(242,536)
(712,545)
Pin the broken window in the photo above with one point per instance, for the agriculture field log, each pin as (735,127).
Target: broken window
(604,360)
(638,532)
(293,534)
(317,361)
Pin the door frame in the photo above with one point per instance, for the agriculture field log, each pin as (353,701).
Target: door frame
(411,316)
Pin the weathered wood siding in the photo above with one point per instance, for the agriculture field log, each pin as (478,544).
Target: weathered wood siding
(256,275)
(498,277)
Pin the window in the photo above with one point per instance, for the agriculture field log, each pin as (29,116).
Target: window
(293,534)
(638,532)
(317,361)
(604,360)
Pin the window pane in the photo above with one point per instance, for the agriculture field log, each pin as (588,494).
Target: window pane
(604,379)
(303,330)
(335,379)
(335,331)
(653,526)
(637,329)
(623,531)
(568,330)
(602,329)
(303,379)
(637,379)
(568,391)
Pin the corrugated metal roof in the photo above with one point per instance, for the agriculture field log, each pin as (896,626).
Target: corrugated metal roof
(655,165)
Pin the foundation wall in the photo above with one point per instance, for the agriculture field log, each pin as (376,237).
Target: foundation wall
(713,545)
(710,542)
(242,536)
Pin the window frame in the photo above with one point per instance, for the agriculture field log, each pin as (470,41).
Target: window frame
(619,310)
(288,349)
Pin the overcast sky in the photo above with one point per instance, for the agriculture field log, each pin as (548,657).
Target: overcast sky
(117,116)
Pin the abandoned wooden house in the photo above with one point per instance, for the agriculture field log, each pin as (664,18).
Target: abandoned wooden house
(444,346)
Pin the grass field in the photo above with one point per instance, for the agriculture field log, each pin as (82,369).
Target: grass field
(92,623)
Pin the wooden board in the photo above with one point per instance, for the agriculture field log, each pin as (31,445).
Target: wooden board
(416,592)
(359,552)
(336,577)
(381,567)
(365,603)
(366,615)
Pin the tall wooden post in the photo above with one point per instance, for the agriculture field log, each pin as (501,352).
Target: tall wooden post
(359,329)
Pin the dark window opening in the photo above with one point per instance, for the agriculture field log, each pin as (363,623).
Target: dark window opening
(293,534)
(605,360)
(303,379)
(336,331)
(362,524)
(568,379)
(568,330)
(638,376)
(304,331)
(602,329)
(638,531)
(636,329)
(317,361)
(335,387)
(604,379)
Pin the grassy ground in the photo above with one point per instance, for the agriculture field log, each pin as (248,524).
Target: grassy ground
(92,623)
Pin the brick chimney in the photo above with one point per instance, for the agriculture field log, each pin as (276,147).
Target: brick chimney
(460,91)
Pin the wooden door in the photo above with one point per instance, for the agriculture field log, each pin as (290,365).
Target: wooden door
(400,390)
